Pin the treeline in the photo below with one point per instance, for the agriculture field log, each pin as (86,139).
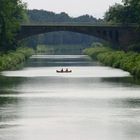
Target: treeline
(43,16)
(12,13)
(58,38)
(128,61)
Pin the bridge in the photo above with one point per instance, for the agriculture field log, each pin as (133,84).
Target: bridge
(117,34)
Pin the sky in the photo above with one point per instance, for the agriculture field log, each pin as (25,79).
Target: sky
(74,8)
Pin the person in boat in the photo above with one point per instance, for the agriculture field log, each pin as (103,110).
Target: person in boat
(62,70)
(67,70)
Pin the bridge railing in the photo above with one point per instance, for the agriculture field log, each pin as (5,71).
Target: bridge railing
(79,24)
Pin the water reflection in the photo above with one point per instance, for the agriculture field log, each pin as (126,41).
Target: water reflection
(8,112)
(94,102)
(9,84)
(59,61)
(128,81)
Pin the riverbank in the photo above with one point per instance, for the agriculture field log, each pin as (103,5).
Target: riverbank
(13,58)
(60,49)
(128,61)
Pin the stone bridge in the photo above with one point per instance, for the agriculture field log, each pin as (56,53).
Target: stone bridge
(117,34)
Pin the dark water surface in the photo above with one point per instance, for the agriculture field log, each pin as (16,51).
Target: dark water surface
(92,103)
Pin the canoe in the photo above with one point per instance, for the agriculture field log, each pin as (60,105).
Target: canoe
(63,71)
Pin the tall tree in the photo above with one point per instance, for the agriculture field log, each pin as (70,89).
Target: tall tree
(134,8)
(11,14)
(115,14)
(128,12)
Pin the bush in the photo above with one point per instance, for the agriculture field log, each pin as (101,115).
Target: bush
(12,59)
(129,61)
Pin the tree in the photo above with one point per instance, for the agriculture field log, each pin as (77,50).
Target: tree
(11,14)
(128,12)
(115,14)
(134,7)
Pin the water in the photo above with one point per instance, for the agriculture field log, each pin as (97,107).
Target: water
(92,103)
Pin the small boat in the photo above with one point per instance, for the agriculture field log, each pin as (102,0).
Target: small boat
(60,71)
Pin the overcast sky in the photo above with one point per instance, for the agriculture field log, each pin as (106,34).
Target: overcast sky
(74,8)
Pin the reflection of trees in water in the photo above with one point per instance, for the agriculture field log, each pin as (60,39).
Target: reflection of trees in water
(125,103)
(126,114)
(9,105)
(127,81)
(4,101)
(8,110)
(132,103)
(43,62)
(7,83)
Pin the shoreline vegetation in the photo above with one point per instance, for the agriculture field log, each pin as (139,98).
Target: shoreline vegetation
(127,61)
(12,59)
(60,49)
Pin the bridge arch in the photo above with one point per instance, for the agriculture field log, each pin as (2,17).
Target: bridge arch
(114,34)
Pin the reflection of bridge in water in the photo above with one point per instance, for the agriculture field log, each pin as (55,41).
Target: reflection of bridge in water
(117,34)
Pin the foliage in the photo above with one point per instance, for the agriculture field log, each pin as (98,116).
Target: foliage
(116,14)
(43,49)
(14,58)
(42,16)
(11,14)
(134,47)
(129,61)
(60,49)
(128,12)
(98,48)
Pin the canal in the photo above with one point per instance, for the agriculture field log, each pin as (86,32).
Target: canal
(93,102)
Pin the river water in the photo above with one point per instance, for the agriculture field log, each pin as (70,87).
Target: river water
(93,102)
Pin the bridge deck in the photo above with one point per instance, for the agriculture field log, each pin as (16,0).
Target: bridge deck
(81,24)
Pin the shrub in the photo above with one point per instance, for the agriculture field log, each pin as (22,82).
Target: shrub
(12,59)
(129,61)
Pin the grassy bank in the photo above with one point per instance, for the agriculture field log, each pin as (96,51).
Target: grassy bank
(128,61)
(13,58)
